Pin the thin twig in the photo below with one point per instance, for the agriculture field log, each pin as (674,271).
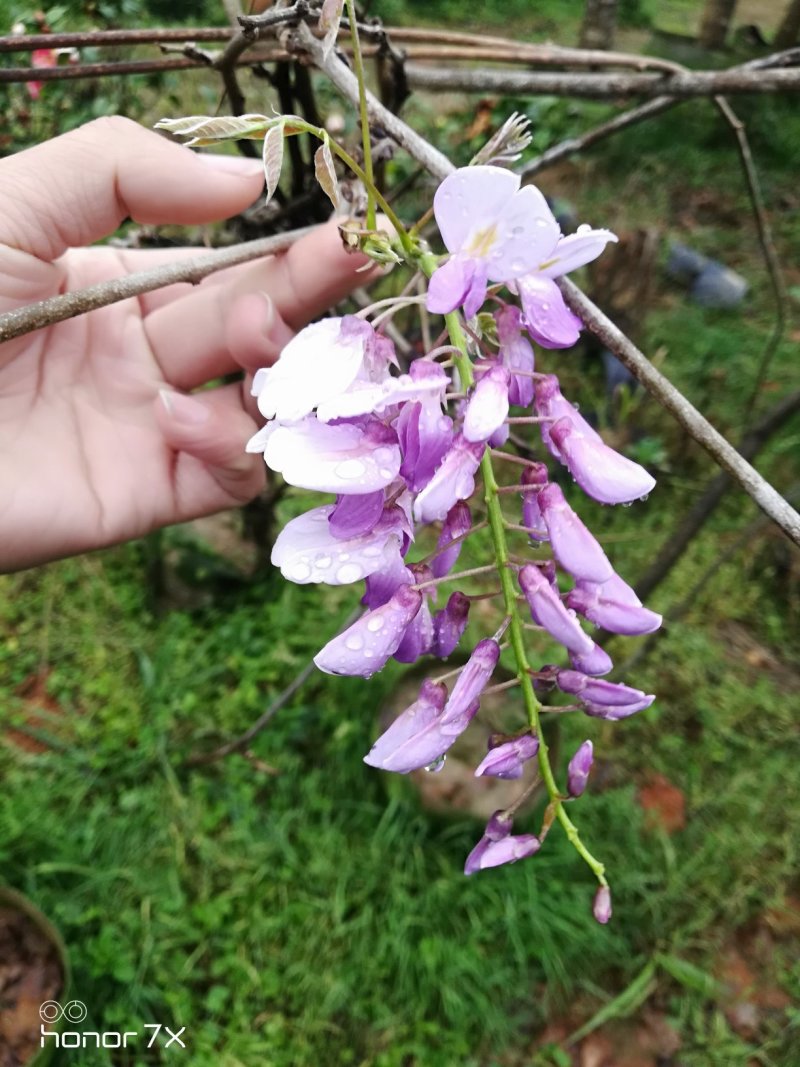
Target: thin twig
(198,759)
(66,306)
(607,86)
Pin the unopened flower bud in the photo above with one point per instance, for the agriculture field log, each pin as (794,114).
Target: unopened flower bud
(578,769)
(454,528)
(506,760)
(534,476)
(449,625)
(601,909)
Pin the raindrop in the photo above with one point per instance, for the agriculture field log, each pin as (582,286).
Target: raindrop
(517,231)
(375,624)
(322,562)
(542,222)
(299,572)
(385,472)
(354,642)
(627,504)
(350,469)
(350,572)
(517,266)
(372,551)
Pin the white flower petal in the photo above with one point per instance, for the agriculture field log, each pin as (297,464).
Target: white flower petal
(332,459)
(469,201)
(307,552)
(316,364)
(527,233)
(575,251)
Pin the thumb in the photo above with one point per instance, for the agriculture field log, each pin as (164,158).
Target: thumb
(77,188)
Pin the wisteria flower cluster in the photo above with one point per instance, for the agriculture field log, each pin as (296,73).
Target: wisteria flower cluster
(402,449)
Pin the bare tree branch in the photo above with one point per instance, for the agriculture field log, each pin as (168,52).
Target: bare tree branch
(608,86)
(68,305)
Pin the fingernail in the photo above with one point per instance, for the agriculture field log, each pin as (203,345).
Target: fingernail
(239,166)
(184,410)
(268,314)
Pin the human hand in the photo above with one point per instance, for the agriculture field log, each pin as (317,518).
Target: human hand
(99,442)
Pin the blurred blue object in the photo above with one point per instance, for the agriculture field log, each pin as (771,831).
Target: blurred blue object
(718,287)
(684,264)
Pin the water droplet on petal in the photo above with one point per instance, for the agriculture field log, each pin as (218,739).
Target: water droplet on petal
(350,469)
(385,472)
(322,562)
(375,624)
(354,642)
(350,572)
(517,266)
(299,572)
(542,222)
(517,231)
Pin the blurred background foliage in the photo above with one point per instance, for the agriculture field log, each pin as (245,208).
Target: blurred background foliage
(295,907)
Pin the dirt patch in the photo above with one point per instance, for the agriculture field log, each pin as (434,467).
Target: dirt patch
(30,973)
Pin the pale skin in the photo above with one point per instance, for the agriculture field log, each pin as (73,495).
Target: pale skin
(100,439)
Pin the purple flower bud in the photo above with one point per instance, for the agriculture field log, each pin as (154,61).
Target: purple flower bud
(578,769)
(536,477)
(595,661)
(457,524)
(615,712)
(497,846)
(356,515)
(600,471)
(487,407)
(609,606)
(506,760)
(597,690)
(454,480)
(516,355)
(601,909)
(473,678)
(414,740)
(365,646)
(573,546)
(449,625)
(548,611)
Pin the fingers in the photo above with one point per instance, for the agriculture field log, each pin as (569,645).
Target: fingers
(247,320)
(208,433)
(77,188)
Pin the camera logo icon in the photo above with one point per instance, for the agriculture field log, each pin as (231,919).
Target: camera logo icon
(74,1011)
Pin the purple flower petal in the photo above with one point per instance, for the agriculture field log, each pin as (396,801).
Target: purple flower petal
(595,661)
(548,611)
(418,638)
(487,408)
(365,646)
(508,849)
(345,458)
(472,680)
(600,471)
(450,284)
(454,480)
(516,355)
(467,197)
(598,690)
(576,251)
(383,583)
(547,318)
(549,403)
(413,740)
(573,546)
(615,712)
(353,516)
(594,604)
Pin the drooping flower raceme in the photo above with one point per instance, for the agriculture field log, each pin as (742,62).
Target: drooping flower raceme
(401,449)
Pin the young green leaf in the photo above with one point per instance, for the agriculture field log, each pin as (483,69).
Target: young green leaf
(209,129)
(273,158)
(325,173)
